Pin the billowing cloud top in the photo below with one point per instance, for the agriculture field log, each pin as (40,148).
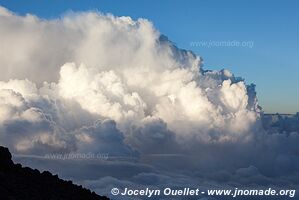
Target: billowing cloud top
(112,68)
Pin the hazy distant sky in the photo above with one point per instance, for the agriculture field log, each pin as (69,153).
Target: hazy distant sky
(272,63)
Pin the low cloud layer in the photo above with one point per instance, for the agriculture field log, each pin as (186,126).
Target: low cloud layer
(94,83)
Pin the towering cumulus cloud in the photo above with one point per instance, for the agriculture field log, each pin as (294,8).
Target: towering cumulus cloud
(89,82)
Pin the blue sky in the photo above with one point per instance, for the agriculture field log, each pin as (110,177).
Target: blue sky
(273,26)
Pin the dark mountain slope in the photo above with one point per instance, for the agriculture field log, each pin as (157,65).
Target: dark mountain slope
(17,182)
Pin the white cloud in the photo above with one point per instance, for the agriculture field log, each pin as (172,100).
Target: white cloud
(123,70)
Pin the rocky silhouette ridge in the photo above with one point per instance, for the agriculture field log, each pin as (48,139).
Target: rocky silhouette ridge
(24,183)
